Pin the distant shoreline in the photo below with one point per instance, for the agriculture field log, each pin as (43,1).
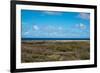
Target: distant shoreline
(56,39)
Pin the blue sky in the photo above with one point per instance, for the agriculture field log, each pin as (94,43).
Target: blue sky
(51,24)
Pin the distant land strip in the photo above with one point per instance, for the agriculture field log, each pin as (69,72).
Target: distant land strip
(55,38)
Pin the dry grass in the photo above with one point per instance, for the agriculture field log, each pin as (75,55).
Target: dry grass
(43,51)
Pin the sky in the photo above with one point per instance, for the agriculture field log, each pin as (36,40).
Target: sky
(52,24)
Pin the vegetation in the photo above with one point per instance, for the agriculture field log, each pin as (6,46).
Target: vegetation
(42,51)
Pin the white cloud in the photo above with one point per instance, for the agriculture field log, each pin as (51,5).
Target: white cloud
(60,28)
(52,13)
(81,26)
(26,33)
(84,15)
(35,27)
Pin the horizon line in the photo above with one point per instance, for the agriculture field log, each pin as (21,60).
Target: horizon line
(55,38)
